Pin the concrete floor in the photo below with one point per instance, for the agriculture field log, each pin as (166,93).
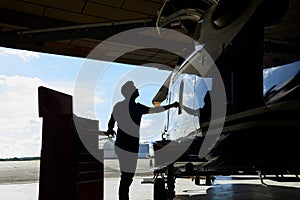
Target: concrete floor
(242,188)
(223,188)
(19,180)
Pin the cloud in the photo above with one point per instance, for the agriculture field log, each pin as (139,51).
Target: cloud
(12,147)
(27,56)
(13,81)
(268,72)
(98,100)
(152,126)
(188,98)
(18,97)
(85,99)
(20,129)
(146,123)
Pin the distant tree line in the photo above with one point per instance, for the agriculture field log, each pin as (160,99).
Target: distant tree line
(20,159)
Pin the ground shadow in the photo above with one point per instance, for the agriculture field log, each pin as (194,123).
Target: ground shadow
(284,179)
(245,178)
(245,192)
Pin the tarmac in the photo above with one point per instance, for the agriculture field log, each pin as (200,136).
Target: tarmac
(19,181)
(223,188)
(240,187)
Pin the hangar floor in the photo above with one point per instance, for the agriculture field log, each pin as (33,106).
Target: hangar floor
(223,188)
(19,180)
(227,188)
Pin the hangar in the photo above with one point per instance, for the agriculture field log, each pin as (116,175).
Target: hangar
(74,29)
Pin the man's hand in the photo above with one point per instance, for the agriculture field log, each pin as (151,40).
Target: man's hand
(110,133)
(175,104)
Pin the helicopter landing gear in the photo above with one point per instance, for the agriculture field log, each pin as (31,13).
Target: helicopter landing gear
(164,187)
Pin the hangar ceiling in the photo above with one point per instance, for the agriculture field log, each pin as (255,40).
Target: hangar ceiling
(74,28)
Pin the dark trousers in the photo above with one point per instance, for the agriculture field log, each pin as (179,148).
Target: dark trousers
(127,162)
(125,182)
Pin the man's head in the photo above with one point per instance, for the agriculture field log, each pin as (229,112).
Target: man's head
(129,90)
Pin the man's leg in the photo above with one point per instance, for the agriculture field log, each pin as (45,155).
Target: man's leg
(125,182)
(127,162)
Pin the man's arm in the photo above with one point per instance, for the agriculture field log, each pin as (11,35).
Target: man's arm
(111,124)
(163,108)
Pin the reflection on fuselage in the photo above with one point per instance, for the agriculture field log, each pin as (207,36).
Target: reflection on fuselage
(192,91)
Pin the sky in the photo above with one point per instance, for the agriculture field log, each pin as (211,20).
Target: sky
(22,72)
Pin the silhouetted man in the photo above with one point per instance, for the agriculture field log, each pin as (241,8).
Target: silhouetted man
(128,115)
